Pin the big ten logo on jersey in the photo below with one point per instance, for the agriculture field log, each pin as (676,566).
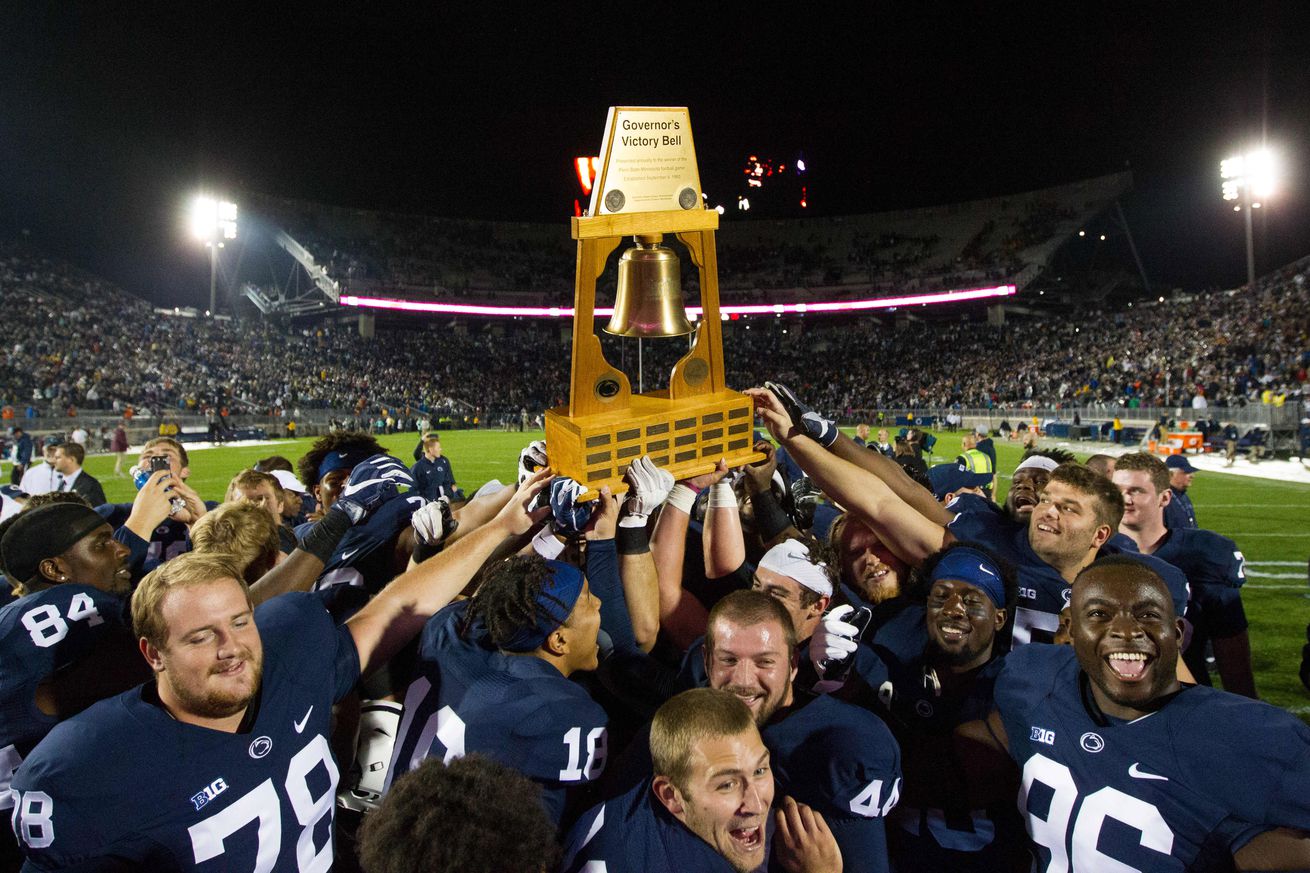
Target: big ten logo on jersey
(36,818)
(1071,828)
(1043,735)
(209,792)
(1027,593)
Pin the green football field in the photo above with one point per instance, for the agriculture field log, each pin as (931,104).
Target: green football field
(1267,518)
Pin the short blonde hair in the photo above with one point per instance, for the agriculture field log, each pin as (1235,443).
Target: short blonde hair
(242,530)
(685,720)
(184,571)
(249,479)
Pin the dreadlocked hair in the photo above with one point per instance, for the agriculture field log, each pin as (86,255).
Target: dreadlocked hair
(506,601)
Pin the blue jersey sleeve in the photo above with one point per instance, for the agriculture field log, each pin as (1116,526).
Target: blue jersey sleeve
(297,624)
(602,572)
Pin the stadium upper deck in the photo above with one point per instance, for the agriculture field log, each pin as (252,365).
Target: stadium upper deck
(981,242)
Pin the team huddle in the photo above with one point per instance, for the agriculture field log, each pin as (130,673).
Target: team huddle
(825,661)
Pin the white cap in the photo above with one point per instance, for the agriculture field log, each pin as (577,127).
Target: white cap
(289,482)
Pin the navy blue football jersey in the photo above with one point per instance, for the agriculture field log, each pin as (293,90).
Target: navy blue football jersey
(634,833)
(170,539)
(363,562)
(41,634)
(123,786)
(934,828)
(1043,592)
(842,761)
(517,709)
(1206,557)
(522,712)
(1216,571)
(962,503)
(1182,788)
(450,658)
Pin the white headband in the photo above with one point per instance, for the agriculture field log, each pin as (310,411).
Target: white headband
(1040,462)
(791,558)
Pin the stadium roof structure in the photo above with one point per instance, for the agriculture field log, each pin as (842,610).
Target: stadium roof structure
(974,250)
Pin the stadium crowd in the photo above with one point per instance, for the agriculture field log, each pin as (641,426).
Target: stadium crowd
(815,663)
(78,341)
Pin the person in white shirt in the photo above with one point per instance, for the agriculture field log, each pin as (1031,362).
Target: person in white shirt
(42,477)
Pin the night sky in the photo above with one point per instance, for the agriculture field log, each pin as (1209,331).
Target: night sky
(111,114)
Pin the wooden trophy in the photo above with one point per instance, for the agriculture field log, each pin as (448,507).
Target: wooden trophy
(647,186)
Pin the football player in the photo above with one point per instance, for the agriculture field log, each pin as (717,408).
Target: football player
(1125,768)
(706,806)
(836,758)
(1213,564)
(1076,514)
(168,537)
(66,641)
(503,690)
(223,762)
(927,672)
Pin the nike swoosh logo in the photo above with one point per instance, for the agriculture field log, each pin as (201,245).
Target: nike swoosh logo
(300,726)
(984,569)
(346,556)
(1134,772)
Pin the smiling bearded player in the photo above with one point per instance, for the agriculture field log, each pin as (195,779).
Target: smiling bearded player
(1125,768)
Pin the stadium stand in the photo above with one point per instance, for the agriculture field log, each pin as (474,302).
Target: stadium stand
(968,244)
(79,341)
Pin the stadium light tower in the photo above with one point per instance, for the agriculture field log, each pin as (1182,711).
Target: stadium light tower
(213,222)
(1250,179)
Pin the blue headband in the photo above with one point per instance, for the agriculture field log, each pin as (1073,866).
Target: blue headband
(342,461)
(972,566)
(559,592)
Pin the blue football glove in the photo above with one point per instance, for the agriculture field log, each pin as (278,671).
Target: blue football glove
(372,483)
(570,516)
(822,430)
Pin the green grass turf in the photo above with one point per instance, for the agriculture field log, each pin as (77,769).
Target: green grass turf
(1265,517)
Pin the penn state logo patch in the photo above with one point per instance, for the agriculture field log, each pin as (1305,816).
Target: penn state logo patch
(1091,742)
(260,746)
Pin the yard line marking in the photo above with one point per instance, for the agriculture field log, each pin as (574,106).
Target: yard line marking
(1256,574)
(1281,505)
(1277,588)
(1263,534)
(1277,563)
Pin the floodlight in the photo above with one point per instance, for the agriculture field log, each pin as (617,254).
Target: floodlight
(213,220)
(1249,179)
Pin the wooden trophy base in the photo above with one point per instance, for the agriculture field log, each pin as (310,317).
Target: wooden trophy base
(686,437)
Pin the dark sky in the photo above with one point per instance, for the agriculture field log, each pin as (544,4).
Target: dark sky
(112,113)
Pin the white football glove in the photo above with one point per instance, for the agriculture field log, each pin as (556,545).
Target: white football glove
(433,522)
(834,639)
(648,488)
(532,459)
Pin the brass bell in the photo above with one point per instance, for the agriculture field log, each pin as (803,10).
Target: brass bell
(649,298)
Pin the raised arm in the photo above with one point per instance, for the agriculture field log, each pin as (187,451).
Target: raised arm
(894,476)
(682,617)
(723,543)
(911,536)
(649,487)
(397,613)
